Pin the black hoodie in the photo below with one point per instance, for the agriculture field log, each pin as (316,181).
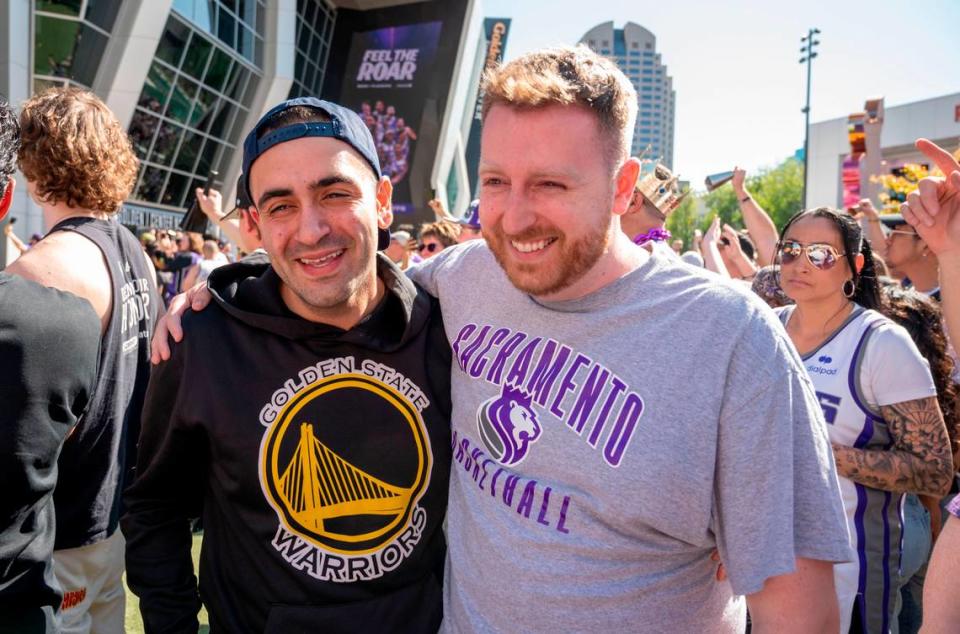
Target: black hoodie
(318,459)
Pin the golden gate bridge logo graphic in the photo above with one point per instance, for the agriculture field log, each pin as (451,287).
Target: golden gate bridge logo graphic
(318,484)
(331,501)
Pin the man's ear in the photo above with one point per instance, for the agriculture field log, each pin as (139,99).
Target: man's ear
(7,199)
(626,183)
(384,203)
(246,218)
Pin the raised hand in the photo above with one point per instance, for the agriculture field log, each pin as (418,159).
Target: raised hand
(934,208)
(739,175)
(210,204)
(712,236)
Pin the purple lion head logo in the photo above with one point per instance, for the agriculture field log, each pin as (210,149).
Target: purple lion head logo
(508,424)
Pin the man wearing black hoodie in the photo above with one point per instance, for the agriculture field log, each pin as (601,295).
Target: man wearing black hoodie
(306,415)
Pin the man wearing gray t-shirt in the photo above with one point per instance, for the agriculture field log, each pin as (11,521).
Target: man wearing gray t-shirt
(617,415)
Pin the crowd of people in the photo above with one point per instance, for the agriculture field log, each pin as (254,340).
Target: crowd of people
(544,416)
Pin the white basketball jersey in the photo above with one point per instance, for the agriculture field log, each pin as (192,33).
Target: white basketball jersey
(874,517)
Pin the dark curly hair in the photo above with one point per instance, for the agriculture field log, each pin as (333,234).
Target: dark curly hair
(75,151)
(866,286)
(922,318)
(9,143)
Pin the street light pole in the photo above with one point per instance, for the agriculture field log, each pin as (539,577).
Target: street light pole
(808,53)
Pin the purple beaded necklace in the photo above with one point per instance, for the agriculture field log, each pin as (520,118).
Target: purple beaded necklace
(654,235)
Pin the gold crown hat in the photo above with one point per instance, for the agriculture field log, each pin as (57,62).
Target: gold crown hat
(659,187)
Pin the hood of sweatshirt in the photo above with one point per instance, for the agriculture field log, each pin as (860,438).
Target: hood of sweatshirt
(249,290)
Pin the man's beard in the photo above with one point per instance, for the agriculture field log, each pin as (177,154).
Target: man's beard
(564,268)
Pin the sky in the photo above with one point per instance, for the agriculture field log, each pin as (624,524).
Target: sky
(735,63)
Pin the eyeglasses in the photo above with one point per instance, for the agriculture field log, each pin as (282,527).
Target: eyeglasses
(820,256)
(893,232)
(433,246)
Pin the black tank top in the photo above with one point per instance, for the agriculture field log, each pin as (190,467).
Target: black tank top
(96,459)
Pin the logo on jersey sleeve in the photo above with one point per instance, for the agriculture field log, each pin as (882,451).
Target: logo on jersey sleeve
(344,462)
(508,424)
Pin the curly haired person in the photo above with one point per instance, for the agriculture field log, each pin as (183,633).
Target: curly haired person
(79,166)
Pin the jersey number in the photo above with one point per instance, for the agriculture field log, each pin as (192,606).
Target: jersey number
(830,404)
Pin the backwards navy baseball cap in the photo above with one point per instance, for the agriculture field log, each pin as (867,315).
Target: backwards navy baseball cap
(243,201)
(344,125)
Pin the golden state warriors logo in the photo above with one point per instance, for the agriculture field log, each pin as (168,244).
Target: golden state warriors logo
(344,462)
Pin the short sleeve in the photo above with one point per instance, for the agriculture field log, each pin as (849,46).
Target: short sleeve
(427,273)
(776,493)
(424,273)
(893,369)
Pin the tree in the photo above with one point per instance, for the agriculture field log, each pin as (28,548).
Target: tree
(723,202)
(779,190)
(683,221)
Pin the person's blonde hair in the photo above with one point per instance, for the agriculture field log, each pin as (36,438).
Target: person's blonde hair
(568,76)
(75,151)
(445,232)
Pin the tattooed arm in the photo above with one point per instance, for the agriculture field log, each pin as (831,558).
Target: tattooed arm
(919,461)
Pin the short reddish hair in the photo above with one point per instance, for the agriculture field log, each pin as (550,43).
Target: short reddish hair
(75,151)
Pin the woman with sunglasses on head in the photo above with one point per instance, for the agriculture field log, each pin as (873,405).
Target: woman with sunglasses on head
(878,398)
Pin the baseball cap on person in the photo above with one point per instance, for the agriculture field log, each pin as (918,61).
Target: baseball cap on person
(243,201)
(472,217)
(402,237)
(344,125)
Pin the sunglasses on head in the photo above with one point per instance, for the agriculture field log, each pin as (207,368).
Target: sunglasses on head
(429,247)
(820,256)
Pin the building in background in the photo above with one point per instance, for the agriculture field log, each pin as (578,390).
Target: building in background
(190,77)
(407,69)
(634,49)
(937,119)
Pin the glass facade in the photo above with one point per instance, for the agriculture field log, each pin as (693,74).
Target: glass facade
(190,114)
(236,23)
(315,22)
(69,39)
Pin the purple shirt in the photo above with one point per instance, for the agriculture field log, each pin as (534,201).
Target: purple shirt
(954,507)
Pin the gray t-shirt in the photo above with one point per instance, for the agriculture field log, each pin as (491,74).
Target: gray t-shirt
(603,447)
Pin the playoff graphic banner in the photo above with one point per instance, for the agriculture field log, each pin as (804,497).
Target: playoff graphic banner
(496,30)
(387,76)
